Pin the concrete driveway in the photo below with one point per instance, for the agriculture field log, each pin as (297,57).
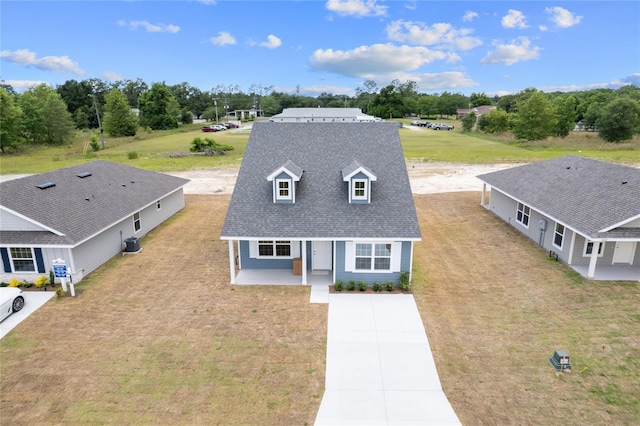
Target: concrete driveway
(32,301)
(380,370)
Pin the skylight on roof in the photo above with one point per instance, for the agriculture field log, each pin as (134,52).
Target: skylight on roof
(46,185)
(83,175)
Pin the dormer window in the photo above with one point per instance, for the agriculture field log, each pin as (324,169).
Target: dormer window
(284,180)
(359,179)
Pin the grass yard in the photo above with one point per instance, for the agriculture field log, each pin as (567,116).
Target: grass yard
(166,151)
(161,337)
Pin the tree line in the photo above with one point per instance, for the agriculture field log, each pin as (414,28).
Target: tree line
(46,115)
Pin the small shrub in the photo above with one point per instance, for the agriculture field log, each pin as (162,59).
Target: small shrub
(93,141)
(362,285)
(389,285)
(403,282)
(132,155)
(376,286)
(14,282)
(26,284)
(3,284)
(338,285)
(351,285)
(52,278)
(41,281)
(59,293)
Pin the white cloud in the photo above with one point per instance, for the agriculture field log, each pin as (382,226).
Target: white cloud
(356,7)
(615,84)
(469,16)
(151,28)
(514,19)
(562,18)
(508,54)
(272,42)
(47,63)
(439,34)
(370,61)
(222,39)
(543,28)
(443,80)
(22,85)
(112,76)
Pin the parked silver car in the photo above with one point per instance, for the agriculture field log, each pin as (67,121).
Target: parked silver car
(11,300)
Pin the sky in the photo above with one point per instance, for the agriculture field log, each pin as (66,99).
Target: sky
(308,47)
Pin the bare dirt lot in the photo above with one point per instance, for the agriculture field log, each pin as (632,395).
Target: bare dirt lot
(161,337)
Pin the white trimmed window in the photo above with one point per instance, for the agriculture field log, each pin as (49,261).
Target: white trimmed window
(284,189)
(23,259)
(588,248)
(523,214)
(272,248)
(359,189)
(558,236)
(373,257)
(158,205)
(136,221)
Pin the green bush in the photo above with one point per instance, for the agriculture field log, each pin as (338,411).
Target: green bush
(403,282)
(376,286)
(93,141)
(351,285)
(132,155)
(338,285)
(209,145)
(389,285)
(362,285)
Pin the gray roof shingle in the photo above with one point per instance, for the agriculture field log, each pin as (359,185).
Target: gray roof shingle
(585,194)
(322,209)
(114,192)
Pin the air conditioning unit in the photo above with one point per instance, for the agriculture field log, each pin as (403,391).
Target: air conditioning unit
(132,245)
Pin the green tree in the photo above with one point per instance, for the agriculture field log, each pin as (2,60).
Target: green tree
(81,119)
(535,119)
(57,119)
(427,105)
(448,103)
(619,120)
(10,122)
(31,103)
(133,90)
(479,99)
(495,121)
(566,114)
(156,108)
(388,103)
(185,116)
(468,121)
(119,120)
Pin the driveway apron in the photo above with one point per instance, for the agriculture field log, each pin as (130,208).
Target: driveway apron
(380,370)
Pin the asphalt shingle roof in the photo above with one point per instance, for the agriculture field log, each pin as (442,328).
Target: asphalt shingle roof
(585,194)
(80,207)
(322,209)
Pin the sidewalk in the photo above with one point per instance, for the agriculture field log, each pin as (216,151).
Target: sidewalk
(380,370)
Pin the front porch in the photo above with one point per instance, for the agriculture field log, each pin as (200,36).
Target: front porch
(281,277)
(610,272)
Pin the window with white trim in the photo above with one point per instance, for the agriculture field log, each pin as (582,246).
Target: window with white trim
(274,248)
(373,257)
(284,189)
(359,189)
(588,248)
(136,221)
(23,259)
(558,236)
(522,215)
(158,205)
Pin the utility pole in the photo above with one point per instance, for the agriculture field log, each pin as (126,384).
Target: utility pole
(215,102)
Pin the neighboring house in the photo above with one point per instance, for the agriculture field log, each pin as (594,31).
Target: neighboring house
(312,199)
(82,214)
(323,115)
(587,212)
(479,111)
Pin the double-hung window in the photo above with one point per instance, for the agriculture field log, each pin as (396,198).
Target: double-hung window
(522,215)
(136,221)
(274,248)
(588,248)
(22,259)
(284,189)
(359,189)
(558,236)
(373,257)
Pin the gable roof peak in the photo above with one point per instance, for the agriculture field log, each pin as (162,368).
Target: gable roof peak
(356,167)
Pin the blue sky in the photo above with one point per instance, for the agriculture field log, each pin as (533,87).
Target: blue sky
(334,46)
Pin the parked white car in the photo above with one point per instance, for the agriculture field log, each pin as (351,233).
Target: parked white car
(11,300)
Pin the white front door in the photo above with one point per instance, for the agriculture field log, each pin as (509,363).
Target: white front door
(625,250)
(321,255)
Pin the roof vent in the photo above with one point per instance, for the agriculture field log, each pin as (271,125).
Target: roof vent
(46,185)
(83,175)
(624,182)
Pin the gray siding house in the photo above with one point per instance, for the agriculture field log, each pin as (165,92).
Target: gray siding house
(323,203)
(82,214)
(584,211)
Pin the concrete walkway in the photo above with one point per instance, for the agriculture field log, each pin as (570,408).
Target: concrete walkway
(32,301)
(380,370)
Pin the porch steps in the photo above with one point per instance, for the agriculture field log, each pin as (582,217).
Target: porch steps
(320,272)
(319,293)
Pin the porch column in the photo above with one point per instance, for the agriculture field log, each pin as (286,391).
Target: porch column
(232,264)
(304,262)
(593,259)
(484,188)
